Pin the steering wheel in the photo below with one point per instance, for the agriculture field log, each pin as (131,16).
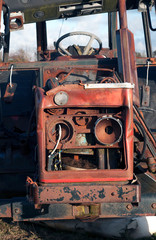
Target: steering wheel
(87,48)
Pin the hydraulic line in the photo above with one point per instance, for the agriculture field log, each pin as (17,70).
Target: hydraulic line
(142,131)
(144,125)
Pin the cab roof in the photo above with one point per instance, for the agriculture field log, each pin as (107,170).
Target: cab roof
(42,10)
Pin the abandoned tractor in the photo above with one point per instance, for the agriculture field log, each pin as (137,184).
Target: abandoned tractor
(78,126)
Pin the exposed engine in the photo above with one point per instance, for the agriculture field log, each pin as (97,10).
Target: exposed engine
(86,126)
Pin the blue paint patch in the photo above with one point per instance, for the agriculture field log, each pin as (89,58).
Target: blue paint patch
(75,193)
(102,193)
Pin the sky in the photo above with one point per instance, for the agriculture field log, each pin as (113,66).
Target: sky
(97,24)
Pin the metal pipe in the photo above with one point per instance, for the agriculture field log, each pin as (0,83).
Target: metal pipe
(147,34)
(6,36)
(112,27)
(41,38)
(126,52)
(149,19)
(101,155)
(0,15)
(122,14)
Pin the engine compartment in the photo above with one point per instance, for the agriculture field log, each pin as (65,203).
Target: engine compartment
(75,130)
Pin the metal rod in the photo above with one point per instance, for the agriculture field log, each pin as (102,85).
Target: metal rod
(0,15)
(112,27)
(147,34)
(122,14)
(7,34)
(102,158)
(149,19)
(126,52)
(41,38)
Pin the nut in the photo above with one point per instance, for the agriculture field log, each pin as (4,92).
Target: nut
(17,210)
(129,207)
(153,205)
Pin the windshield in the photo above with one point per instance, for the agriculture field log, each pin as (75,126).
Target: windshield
(24,41)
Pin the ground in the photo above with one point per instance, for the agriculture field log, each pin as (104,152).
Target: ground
(28,231)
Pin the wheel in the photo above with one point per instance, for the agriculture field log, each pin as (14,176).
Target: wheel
(87,48)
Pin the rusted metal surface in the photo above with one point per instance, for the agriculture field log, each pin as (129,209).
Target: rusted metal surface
(67,211)
(122,14)
(41,40)
(150,177)
(25,211)
(9,93)
(144,208)
(87,212)
(104,130)
(5,209)
(86,193)
(146,96)
(80,97)
(22,210)
(64,62)
(84,116)
(126,50)
(151,162)
(77,74)
(16,21)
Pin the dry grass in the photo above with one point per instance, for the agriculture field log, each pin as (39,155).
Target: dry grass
(11,230)
(26,230)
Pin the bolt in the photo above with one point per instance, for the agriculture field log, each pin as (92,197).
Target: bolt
(42,210)
(153,205)
(129,207)
(16,210)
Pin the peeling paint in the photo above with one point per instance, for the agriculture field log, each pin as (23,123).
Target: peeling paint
(121,192)
(101,193)
(75,193)
(59,199)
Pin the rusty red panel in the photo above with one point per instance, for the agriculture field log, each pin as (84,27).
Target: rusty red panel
(87,193)
(81,97)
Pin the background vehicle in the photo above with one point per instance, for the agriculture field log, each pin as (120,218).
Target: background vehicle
(78,125)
